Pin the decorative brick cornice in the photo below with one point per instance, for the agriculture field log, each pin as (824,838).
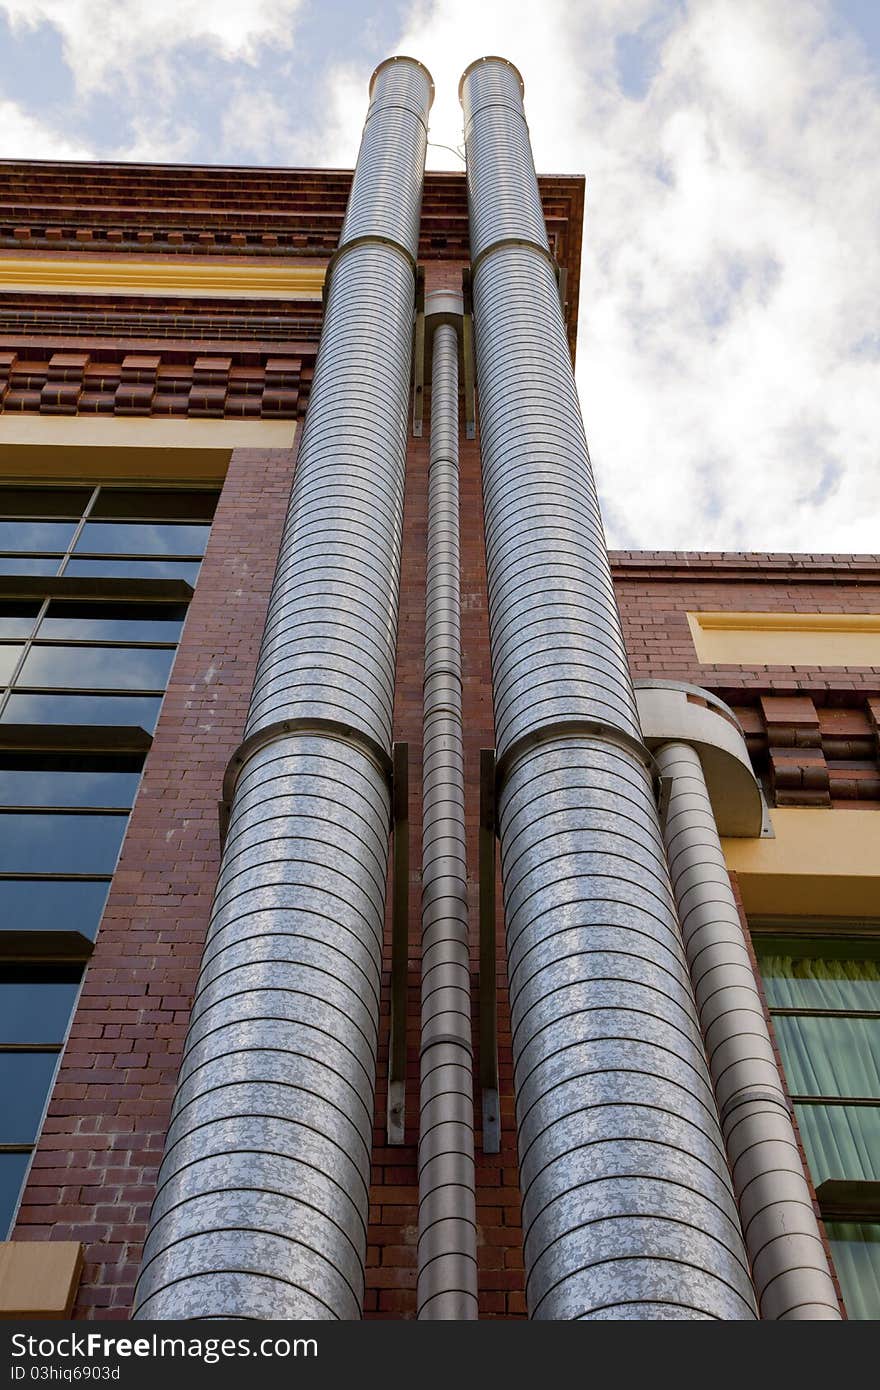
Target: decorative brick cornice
(259,381)
(692,566)
(814,754)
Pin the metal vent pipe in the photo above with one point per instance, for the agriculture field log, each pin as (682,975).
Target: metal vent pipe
(261,1206)
(627,1204)
(789,1267)
(447,1253)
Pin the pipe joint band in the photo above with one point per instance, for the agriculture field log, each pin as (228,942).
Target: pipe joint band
(446,1040)
(503,242)
(321,728)
(373,239)
(573,728)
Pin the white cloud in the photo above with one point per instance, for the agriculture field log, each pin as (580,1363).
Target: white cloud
(104,43)
(731,257)
(24,137)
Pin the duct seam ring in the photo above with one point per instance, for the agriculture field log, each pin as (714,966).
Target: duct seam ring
(366,240)
(573,728)
(320,728)
(506,241)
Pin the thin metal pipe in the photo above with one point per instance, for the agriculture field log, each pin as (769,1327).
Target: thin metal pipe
(789,1266)
(628,1210)
(447,1251)
(261,1206)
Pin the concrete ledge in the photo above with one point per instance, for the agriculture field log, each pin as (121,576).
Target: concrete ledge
(39,1279)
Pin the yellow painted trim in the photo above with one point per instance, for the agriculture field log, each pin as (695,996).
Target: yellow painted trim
(799,639)
(39,1279)
(87,448)
(170,275)
(821,863)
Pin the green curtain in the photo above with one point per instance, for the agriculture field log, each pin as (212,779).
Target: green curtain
(813,982)
(855,1249)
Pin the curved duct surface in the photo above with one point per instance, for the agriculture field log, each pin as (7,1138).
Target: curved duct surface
(447,1280)
(627,1204)
(789,1267)
(261,1206)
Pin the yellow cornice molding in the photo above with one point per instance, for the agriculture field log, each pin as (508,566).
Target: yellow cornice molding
(788,622)
(166,276)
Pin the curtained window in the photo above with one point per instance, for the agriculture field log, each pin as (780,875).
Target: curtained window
(824,997)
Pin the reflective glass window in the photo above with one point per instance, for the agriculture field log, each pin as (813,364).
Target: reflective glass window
(24,1084)
(113,622)
(140,711)
(52,905)
(29,564)
(113,668)
(134,569)
(141,538)
(830,1056)
(17,619)
(36,1002)
(79,780)
(36,842)
(36,535)
(12,1170)
(9,655)
(855,1249)
(841,1141)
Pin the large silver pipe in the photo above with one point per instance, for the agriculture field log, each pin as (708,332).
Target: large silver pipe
(447,1251)
(789,1267)
(628,1210)
(261,1206)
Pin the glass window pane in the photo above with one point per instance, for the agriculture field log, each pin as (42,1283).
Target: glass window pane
(25,1078)
(111,668)
(12,1170)
(841,1141)
(132,569)
(178,504)
(36,535)
(43,501)
(17,619)
(141,711)
(114,622)
(35,905)
(138,538)
(830,1056)
(804,981)
(855,1249)
(45,786)
(9,654)
(34,842)
(26,564)
(35,1004)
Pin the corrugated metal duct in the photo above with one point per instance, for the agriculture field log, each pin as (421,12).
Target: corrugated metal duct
(262,1201)
(789,1266)
(627,1204)
(447,1255)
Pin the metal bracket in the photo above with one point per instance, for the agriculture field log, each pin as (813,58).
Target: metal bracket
(396,1110)
(488,984)
(467,354)
(662,791)
(419,355)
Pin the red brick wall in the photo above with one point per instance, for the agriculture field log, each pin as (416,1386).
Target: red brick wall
(95,1167)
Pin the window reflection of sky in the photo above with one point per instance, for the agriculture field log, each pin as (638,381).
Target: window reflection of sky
(117,622)
(24,1084)
(141,538)
(31,905)
(36,535)
(26,564)
(135,569)
(62,843)
(17,619)
(36,1010)
(8,657)
(46,787)
(140,711)
(111,668)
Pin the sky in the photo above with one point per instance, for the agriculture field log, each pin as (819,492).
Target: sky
(729,349)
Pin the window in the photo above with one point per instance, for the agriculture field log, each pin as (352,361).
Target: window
(36,1002)
(824,997)
(87,651)
(67,660)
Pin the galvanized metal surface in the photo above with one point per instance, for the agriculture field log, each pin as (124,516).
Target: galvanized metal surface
(262,1200)
(447,1250)
(627,1203)
(788,1261)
